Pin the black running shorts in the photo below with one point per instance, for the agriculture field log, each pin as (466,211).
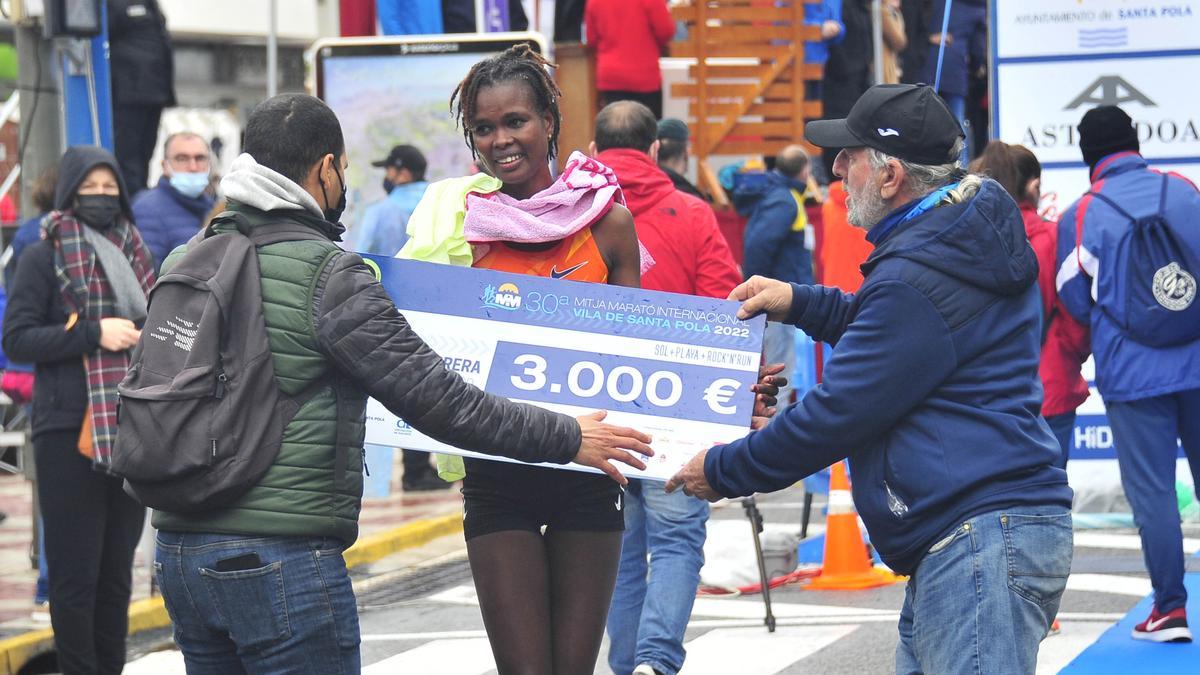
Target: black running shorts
(500,496)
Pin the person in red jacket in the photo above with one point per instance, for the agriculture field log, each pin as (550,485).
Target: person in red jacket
(649,612)
(628,36)
(1066,343)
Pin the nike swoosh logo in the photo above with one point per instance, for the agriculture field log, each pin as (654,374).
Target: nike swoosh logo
(1153,625)
(888,132)
(619,501)
(555,274)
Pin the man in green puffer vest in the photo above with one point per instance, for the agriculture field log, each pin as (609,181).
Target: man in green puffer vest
(260,585)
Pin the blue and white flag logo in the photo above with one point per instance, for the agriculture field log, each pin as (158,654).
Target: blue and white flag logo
(1103,38)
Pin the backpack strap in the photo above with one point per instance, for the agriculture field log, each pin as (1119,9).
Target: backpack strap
(1162,197)
(274,233)
(1112,203)
(261,235)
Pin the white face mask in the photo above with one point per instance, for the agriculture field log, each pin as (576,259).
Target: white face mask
(190,183)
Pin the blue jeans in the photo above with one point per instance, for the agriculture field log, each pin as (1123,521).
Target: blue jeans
(1147,433)
(984,596)
(293,610)
(779,346)
(653,601)
(1063,428)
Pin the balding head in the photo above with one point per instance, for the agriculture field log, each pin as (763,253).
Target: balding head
(791,161)
(626,124)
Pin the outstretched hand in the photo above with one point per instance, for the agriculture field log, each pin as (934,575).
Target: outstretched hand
(603,442)
(693,481)
(760,295)
(766,394)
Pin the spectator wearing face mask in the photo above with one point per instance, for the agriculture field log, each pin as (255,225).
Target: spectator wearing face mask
(172,212)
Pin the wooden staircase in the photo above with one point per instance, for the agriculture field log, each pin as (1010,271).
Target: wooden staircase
(746,91)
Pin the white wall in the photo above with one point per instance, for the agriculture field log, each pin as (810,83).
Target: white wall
(298,20)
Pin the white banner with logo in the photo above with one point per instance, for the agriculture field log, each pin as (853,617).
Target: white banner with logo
(1051,62)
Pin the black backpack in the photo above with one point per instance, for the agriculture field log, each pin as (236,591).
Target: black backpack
(200,414)
(1155,302)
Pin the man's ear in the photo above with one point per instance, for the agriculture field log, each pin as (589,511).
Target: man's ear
(592,149)
(893,180)
(653,152)
(324,171)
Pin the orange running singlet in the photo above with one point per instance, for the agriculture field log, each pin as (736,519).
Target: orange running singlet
(576,258)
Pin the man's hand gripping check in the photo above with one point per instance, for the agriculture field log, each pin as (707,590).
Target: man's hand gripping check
(759,295)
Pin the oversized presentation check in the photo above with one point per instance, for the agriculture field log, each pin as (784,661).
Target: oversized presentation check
(677,367)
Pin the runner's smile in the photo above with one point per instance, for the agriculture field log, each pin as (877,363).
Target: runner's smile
(512,137)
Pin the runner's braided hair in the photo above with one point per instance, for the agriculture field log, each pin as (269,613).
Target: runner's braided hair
(517,63)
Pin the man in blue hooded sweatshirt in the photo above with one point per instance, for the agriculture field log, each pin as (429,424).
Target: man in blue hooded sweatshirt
(932,393)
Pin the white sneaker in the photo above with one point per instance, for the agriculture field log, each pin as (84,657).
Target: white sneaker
(644,669)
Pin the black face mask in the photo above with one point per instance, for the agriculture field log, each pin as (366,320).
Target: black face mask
(387,186)
(334,214)
(98,211)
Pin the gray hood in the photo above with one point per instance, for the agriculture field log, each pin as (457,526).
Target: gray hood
(253,184)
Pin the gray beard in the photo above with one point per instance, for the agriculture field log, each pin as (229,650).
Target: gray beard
(865,210)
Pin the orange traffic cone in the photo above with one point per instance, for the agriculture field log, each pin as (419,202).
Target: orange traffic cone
(847,566)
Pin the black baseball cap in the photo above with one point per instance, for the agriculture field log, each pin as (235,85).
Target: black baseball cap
(907,121)
(405,157)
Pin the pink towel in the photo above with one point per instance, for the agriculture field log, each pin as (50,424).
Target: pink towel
(582,195)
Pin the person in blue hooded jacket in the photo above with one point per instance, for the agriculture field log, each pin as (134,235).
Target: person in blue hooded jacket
(777,242)
(1151,392)
(932,392)
(171,213)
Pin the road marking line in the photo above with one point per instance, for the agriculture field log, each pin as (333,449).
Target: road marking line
(726,650)
(1059,650)
(1125,542)
(448,657)
(1110,583)
(749,608)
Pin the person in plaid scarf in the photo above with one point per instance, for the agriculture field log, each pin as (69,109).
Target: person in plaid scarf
(76,301)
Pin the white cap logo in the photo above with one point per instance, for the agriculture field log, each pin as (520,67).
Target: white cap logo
(888,132)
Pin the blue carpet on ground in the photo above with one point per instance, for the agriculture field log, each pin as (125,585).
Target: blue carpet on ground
(1117,652)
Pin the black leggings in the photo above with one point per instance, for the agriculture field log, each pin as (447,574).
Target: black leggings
(91,530)
(545,597)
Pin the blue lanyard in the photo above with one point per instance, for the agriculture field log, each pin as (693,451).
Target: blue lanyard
(907,213)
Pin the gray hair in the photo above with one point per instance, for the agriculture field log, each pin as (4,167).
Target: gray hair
(166,146)
(921,179)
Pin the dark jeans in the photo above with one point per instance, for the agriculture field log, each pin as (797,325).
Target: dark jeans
(292,610)
(650,99)
(135,133)
(91,530)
